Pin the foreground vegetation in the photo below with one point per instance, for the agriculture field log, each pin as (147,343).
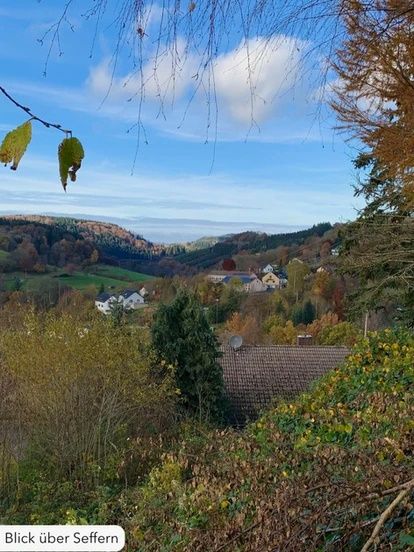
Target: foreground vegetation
(311,475)
(78,395)
(100,438)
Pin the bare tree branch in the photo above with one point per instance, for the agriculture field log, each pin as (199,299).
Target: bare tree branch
(34,117)
(386,514)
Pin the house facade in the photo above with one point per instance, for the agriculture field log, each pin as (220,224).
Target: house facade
(256,286)
(130,300)
(217,277)
(104,302)
(271,280)
(268,269)
(223,276)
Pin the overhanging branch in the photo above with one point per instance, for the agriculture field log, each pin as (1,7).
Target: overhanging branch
(28,111)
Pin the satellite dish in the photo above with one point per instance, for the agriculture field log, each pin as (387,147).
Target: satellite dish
(235,342)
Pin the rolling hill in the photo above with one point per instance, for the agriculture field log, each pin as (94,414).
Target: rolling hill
(59,241)
(249,242)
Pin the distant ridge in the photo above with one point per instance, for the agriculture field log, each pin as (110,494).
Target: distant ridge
(111,238)
(252,242)
(119,246)
(86,225)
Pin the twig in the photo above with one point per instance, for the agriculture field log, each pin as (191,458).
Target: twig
(406,487)
(34,117)
(386,514)
(238,536)
(367,498)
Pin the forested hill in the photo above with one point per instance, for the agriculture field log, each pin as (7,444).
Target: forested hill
(112,241)
(42,240)
(249,242)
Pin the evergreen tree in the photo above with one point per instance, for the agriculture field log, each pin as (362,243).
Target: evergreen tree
(308,313)
(117,313)
(377,248)
(182,337)
(297,315)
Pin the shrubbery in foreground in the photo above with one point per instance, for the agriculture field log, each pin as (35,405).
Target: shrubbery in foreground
(312,475)
(82,416)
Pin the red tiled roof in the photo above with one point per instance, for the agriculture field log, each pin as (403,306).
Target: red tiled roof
(254,375)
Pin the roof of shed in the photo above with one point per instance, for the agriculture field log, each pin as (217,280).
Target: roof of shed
(128,292)
(255,375)
(103,297)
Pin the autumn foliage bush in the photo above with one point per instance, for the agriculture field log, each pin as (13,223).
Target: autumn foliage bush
(313,475)
(82,413)
(85,422)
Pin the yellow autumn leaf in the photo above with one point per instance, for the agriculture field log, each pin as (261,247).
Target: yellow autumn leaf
(15,144)
(70,155)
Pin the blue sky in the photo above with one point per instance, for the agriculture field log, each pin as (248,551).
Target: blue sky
(287,172)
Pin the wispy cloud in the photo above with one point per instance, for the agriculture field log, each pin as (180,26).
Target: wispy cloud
(252,87)
(220,199)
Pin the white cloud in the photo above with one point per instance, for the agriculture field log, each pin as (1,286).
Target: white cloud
(249,81)
(166,77)
(253,83)
(252,77)
(220,199)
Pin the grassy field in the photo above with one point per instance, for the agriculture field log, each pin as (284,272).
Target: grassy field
(110,277)
(122,274)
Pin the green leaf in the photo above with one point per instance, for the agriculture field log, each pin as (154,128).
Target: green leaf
(70,155)
(406,539)
(15,144)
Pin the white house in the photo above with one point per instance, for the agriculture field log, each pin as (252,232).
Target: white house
(104,302)
(268,269)
(129,298)
(217,276)
(282,279)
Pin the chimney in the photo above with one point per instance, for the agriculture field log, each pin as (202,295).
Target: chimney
(303,340)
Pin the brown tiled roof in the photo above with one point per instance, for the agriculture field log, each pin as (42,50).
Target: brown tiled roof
(254,375)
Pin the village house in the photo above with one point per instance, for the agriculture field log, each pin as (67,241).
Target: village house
(130,300)
(243,278)
(282,279)
(218,276)
(268,269)
(250,283)
(256,286)
(104,302)
(271,280)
